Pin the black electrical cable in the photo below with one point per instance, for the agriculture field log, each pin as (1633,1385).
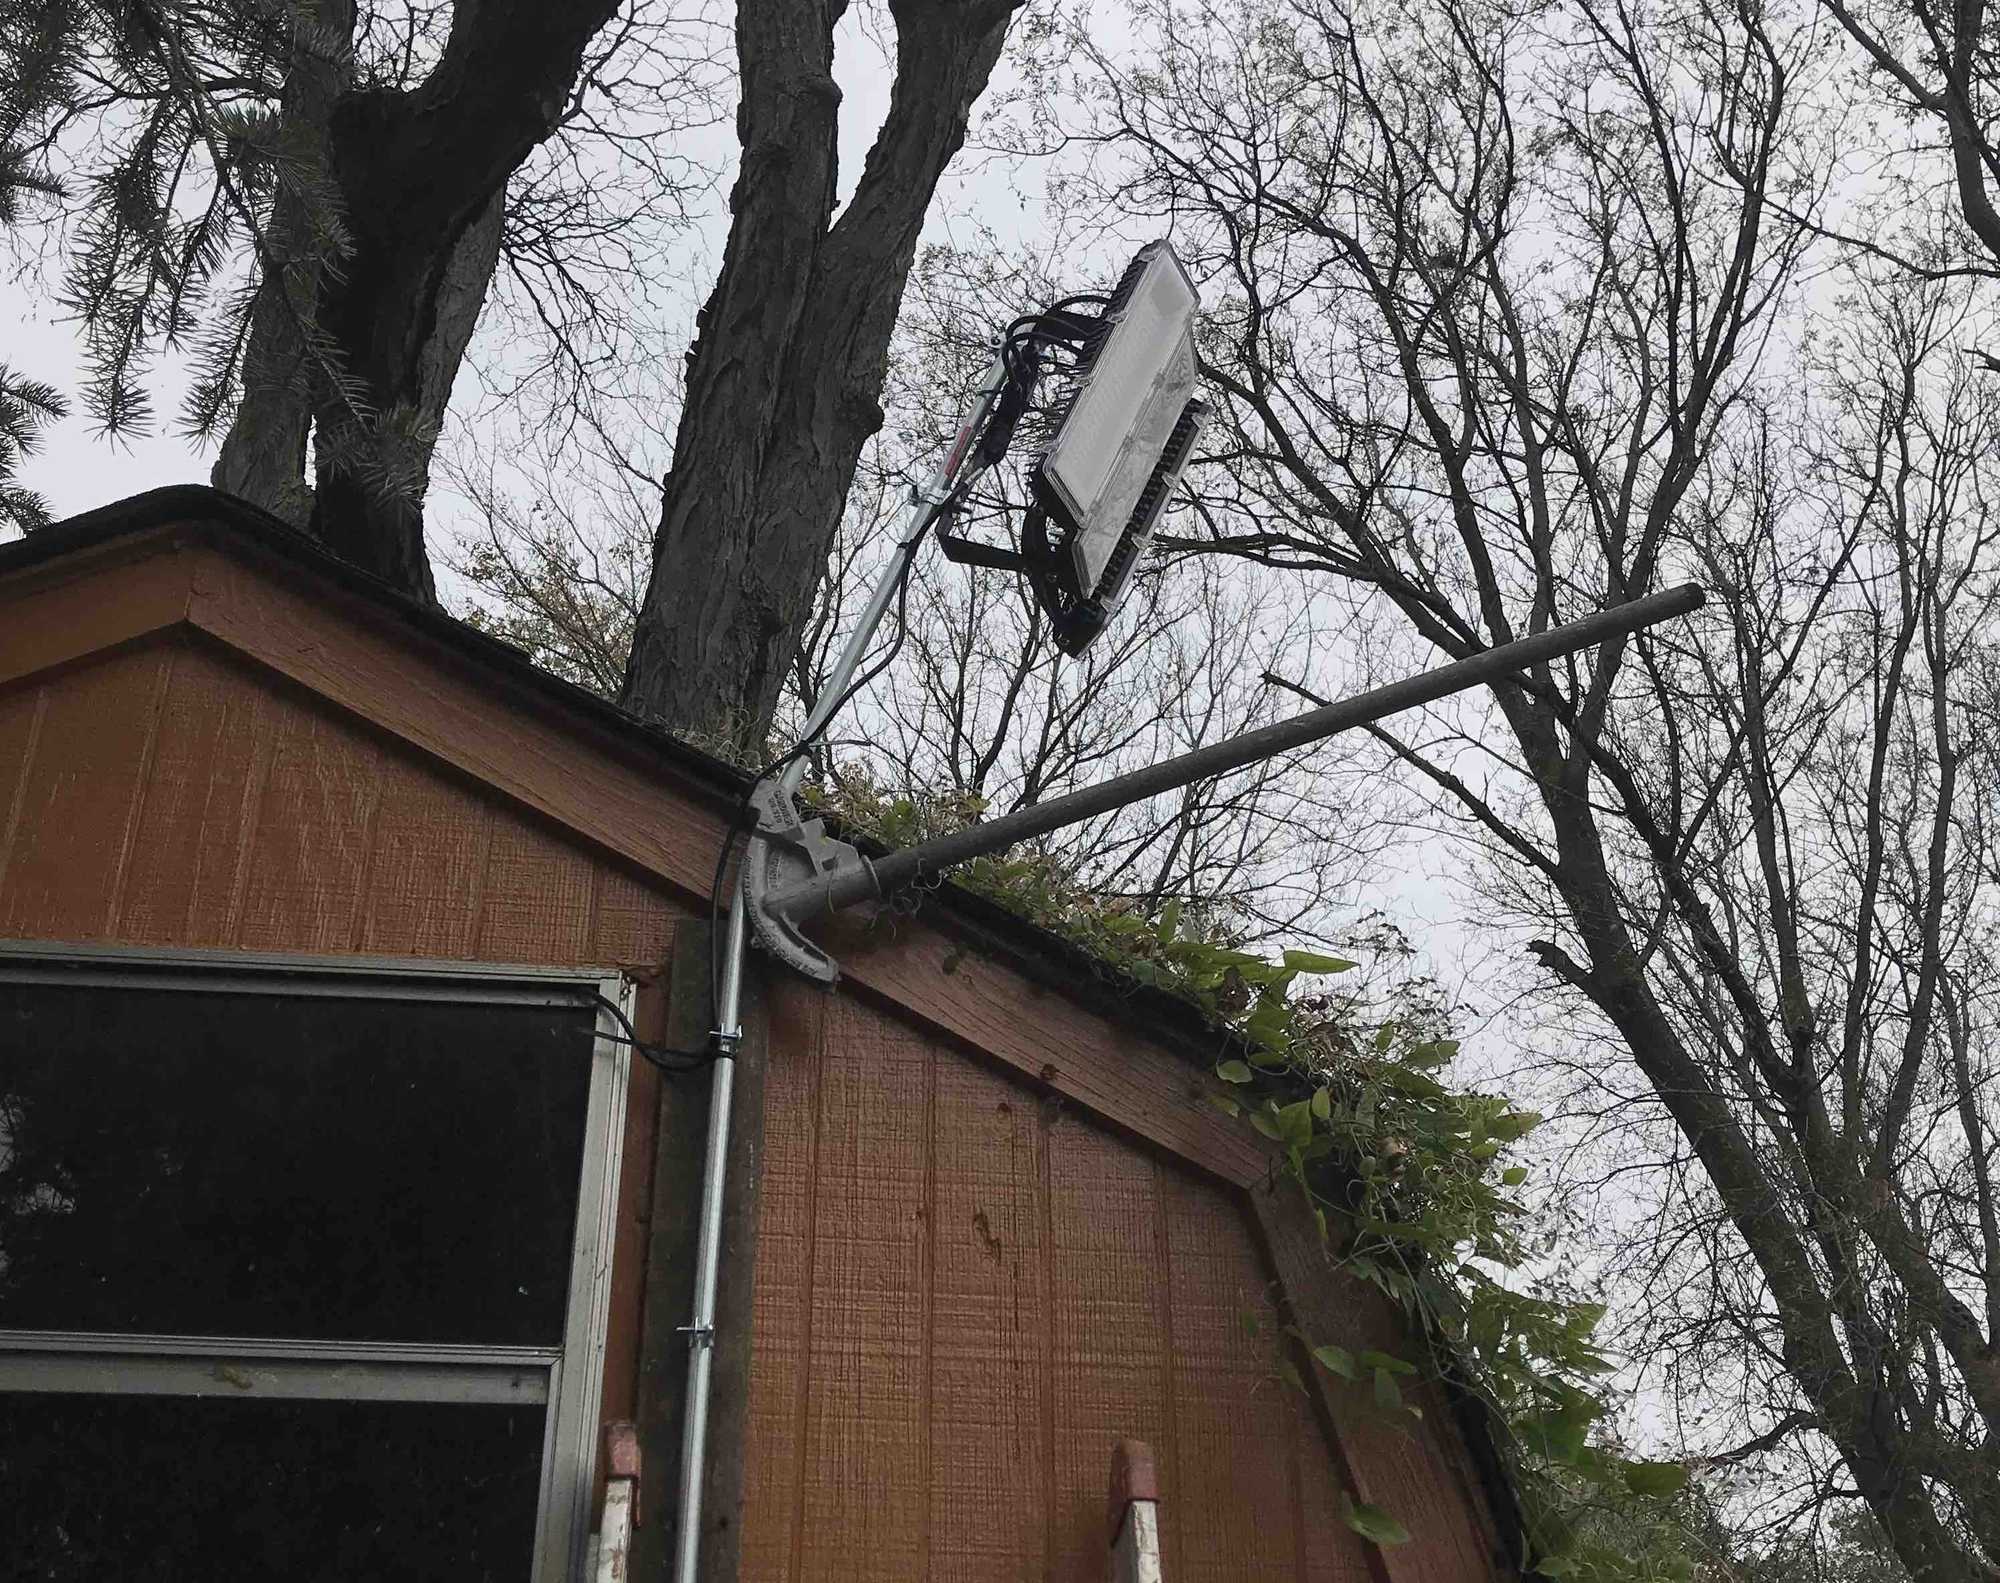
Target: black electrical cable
(671,1062)
(1027,334)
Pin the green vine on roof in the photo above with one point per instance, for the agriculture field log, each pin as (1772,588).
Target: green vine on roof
(1409,1178)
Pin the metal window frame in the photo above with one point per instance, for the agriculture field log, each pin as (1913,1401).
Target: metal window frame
(569,1379)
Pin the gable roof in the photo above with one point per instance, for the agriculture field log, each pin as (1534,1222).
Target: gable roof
(1052,960)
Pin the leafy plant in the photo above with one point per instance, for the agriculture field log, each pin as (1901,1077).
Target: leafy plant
(1406,1175)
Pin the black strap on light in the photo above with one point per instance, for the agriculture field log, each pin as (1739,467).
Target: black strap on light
(970,552)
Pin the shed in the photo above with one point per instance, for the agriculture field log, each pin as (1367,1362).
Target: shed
(335,1222)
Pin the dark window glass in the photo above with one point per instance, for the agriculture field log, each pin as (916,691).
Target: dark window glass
(161,1489)
(183,1162)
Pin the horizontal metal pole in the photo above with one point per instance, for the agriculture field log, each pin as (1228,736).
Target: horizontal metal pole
(887,874)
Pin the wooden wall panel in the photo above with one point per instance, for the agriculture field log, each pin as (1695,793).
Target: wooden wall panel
(426,864)
(79,609)
(1082,1052)
(1232,1473)
(967,1293)
(866,1510)
(1405,1465)
(538,896)
(170,795)
(505,737)
(1109,1334)
(631,920)
(21,713)
(77,802)
(1329,1550)
(990,1388)
(781,1319)
(184,882)
(308,837)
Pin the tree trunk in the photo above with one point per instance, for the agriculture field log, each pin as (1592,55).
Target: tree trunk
(263,456)
(421,177)
(785,378)
(370,484)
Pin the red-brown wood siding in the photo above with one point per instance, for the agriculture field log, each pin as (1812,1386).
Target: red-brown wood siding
(965,1295)
(966,1289)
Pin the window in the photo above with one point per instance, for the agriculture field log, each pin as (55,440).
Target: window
(303,1265)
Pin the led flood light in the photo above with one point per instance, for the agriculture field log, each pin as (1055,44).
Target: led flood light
(1118,447)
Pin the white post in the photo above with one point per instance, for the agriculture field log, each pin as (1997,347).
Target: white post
(621,1504)
(1133,1514)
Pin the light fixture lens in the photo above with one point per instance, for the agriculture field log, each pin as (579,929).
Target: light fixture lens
(1138,384)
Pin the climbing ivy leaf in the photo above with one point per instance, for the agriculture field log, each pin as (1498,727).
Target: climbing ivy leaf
(1660,1481)
(1313,962)
(1374,1524)
(1406,1081)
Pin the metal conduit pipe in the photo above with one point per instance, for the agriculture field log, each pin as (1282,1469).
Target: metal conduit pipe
(728,1034)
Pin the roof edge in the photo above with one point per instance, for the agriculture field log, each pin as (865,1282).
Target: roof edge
(250,527)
